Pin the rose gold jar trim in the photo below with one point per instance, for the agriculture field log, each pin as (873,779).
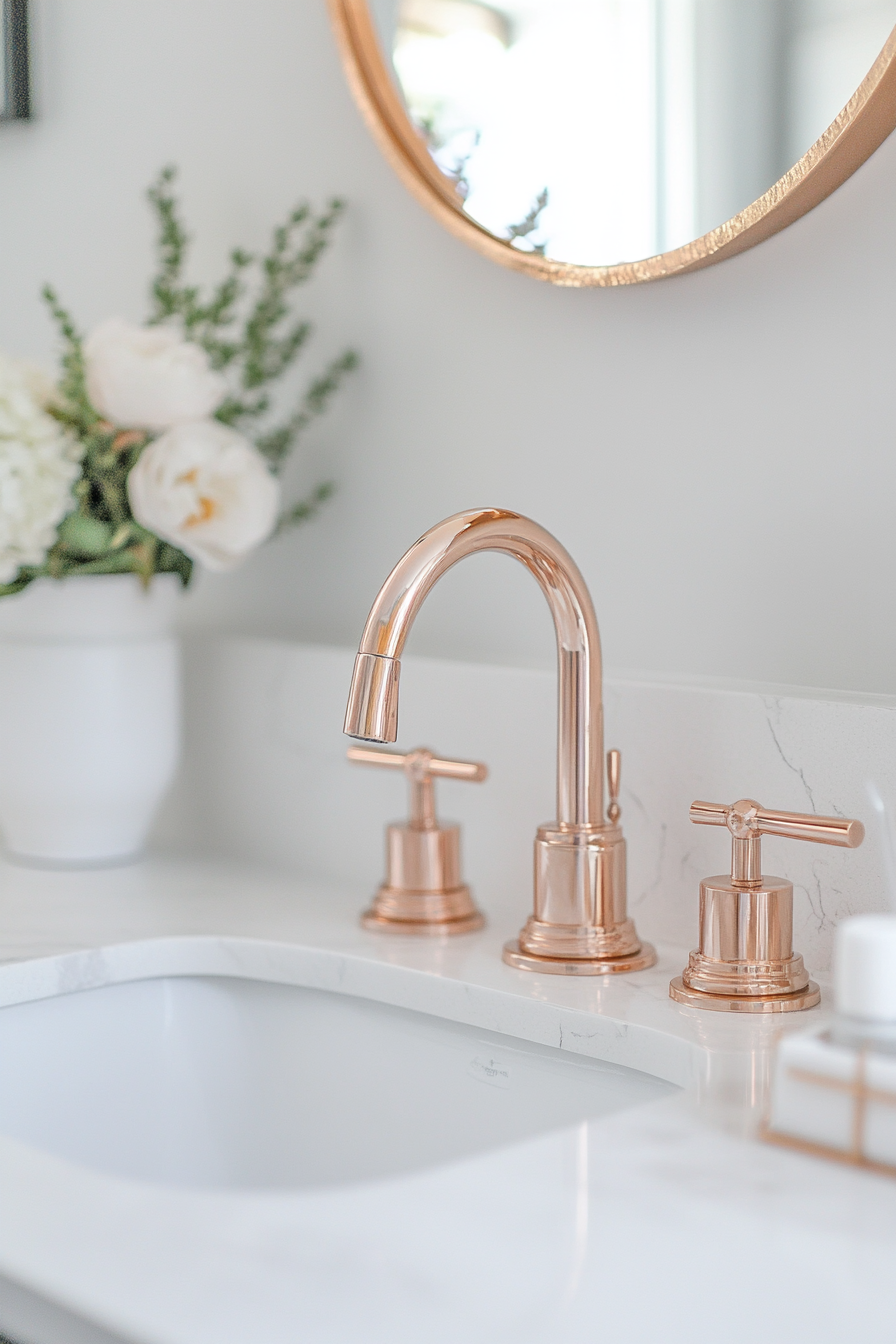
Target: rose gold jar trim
(862,1095)
(821,1150)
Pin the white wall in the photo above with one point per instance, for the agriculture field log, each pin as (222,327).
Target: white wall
(716,451)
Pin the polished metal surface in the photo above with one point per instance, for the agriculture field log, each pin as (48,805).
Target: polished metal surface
(580,902)
(515,956)
(614,780)
(795,1001)
(423,891)
(746,819)
(745,960)
(372,713)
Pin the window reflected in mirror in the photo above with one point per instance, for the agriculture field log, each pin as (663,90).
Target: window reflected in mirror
(604,131)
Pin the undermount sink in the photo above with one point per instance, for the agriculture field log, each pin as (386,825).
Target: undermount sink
(223,1082)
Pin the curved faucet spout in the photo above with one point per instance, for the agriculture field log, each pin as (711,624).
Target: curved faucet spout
(373,701)
(579,925)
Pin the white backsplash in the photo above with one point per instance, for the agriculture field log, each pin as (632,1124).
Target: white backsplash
(265,777)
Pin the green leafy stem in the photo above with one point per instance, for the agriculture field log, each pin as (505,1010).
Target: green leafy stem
(247,327)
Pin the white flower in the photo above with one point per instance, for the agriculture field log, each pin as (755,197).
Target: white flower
(39,462)
(149,377)
(204,488)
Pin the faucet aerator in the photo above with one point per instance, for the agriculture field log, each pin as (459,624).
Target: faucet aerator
(372,712)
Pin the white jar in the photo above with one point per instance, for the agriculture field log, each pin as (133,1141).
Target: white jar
(865,982)
(89,716)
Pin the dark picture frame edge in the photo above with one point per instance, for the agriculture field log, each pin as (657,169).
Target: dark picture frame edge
(16,94)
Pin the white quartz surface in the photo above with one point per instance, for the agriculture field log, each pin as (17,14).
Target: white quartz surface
(666,1222)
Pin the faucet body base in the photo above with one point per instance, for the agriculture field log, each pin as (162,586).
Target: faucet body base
(579,926)
(514,955)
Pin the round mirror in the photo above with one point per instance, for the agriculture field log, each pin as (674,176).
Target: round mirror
(611,141)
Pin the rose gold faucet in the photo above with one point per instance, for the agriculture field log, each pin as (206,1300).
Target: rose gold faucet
(579,926)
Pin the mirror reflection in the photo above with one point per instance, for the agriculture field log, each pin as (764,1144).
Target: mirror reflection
(603,131)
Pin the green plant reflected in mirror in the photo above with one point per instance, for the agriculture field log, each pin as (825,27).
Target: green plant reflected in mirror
(605,141)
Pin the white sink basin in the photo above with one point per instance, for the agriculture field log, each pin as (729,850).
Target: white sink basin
(217,1081)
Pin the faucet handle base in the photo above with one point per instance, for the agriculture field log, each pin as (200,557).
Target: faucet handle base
(745,962)
(793,1002)
(424,891)
(514,955)
(423,912)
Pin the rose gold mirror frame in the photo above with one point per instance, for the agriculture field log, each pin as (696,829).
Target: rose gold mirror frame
(863,125)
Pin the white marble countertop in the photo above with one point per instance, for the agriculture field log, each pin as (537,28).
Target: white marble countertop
(664,1222)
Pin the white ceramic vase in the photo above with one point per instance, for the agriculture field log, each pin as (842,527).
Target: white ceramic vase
(89,716)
